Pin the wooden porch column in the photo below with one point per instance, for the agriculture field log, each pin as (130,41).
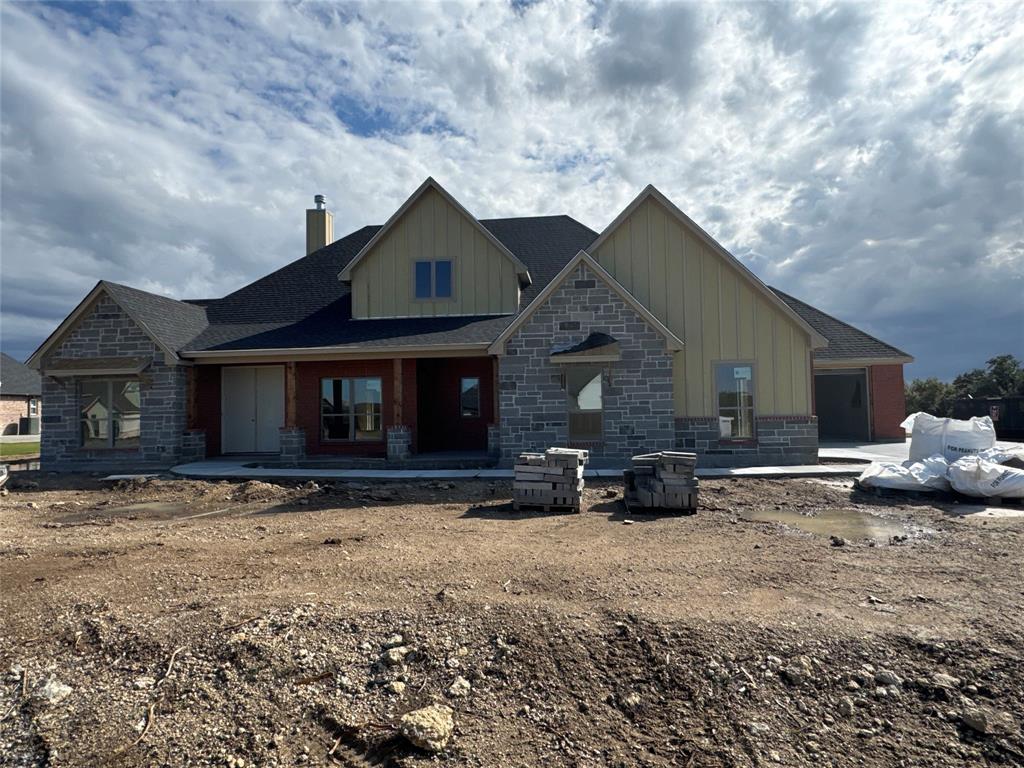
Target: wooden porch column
(396,392)
(192,416)
(290,397)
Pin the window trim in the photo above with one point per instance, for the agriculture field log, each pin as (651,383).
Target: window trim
(753,400)
(33,406)
(352,428)
(479,397)
(604,372)
(432,299)
(110,382)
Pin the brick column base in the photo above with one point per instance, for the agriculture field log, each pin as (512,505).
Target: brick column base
(293,445)
(493,439)
(193,445)
(399,439)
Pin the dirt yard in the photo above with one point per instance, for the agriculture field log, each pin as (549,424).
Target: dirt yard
(172,623)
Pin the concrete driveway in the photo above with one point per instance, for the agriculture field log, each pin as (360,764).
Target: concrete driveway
(897,452)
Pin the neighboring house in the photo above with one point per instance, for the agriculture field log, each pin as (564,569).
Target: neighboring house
(20,392)
(438,332)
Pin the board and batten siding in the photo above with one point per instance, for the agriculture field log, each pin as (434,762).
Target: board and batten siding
(484,280)
(714,309)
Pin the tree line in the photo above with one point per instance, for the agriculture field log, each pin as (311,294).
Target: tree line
(1002,376)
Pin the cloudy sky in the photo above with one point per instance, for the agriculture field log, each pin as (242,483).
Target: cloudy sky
(867,158)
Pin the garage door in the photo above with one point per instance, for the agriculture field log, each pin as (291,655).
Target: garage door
(841,402)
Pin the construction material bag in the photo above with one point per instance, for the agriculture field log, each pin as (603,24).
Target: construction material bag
(927,475)
(952,438)
(975,476)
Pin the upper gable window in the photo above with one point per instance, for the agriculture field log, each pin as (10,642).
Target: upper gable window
(433,279)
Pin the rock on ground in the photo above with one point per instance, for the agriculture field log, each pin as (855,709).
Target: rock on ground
(429,728)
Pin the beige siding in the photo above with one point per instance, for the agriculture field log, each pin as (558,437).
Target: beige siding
(484,280)
(713,308)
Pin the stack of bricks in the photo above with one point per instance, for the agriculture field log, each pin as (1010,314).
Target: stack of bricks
(662,480)
(550,479)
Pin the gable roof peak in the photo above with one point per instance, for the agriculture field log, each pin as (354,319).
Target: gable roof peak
(431,183)
(650,191)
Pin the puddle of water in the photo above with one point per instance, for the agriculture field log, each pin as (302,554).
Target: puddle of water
(847,523)
(157,508)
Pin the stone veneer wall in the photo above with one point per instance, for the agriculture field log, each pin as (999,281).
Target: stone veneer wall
(107,331)
(780,440)
(637,396)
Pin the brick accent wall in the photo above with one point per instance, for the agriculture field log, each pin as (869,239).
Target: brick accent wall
(106,331)
(307,390)
(780,440)
(888,403)
(12,409)
(637,393)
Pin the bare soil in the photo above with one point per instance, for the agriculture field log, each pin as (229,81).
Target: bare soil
(175,623)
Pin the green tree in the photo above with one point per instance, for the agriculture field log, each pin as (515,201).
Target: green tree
(1003,375)
(931,396)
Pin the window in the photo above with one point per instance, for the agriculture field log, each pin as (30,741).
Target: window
(583,386)
(110,413)
(735,386)
(350,409)
(33,407)
(469,398)
(433,279)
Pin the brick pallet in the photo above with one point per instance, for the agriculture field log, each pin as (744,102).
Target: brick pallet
(662,480)
(549,480)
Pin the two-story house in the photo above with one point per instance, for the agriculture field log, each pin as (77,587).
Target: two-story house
(438,332)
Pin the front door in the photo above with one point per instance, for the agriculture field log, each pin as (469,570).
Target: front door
(455,399)
(253,408)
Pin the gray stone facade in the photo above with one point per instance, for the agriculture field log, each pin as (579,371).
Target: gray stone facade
(636,392)
(106,331)
(779,440)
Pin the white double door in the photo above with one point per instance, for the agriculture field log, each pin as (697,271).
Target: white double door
(252,408)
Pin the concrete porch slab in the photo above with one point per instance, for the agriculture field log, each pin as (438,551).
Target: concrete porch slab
(223,469)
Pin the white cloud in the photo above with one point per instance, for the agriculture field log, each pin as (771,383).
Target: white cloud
(866,158)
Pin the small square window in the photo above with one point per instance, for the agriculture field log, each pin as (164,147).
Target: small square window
(433,279)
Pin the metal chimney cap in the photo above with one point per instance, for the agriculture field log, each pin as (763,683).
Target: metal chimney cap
(320,201)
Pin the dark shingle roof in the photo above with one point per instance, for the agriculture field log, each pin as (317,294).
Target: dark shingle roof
(18,379)
(844,341)
(173,323)
(303,304)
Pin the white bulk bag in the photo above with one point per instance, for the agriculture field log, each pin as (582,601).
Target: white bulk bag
(975,476)
(927,475)
(953,438)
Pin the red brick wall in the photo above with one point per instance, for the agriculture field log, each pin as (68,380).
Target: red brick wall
(307,391)
(888,406)
(207,406)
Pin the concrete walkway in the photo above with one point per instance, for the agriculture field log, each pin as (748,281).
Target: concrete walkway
(224,468)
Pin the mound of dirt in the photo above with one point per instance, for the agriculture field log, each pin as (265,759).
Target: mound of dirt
(257,490)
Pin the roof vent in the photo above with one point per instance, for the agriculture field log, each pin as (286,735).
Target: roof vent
(320,202)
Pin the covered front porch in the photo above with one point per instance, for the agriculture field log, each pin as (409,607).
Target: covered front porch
(436,410)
